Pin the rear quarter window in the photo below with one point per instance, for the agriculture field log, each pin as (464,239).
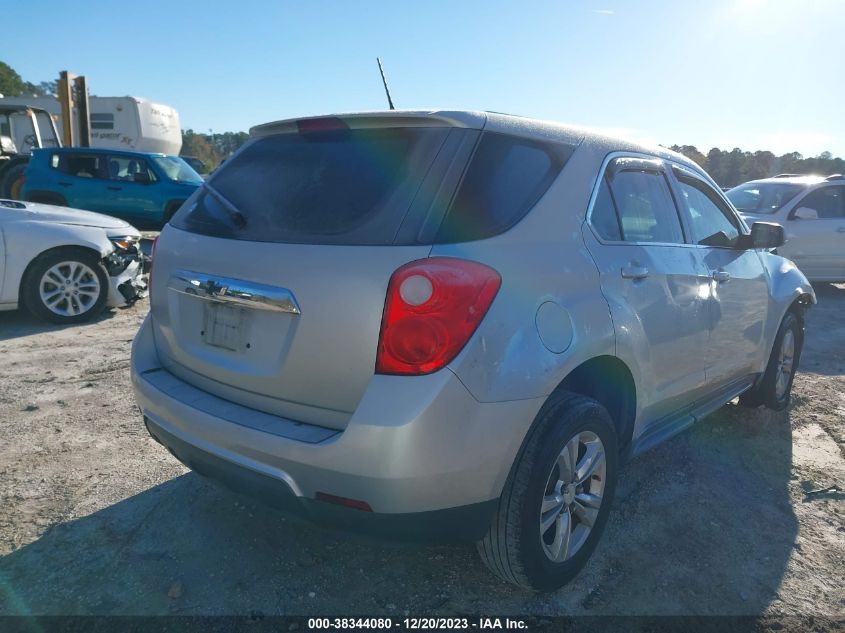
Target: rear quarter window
(505,178)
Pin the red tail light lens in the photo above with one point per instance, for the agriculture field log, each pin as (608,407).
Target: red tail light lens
(432,308)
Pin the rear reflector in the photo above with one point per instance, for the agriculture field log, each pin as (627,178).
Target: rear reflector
(343,501)
(433,306)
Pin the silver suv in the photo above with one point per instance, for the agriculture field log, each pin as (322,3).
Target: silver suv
(812,211)
(456,325)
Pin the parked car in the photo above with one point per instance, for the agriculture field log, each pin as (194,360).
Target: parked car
(456,325)
(811,209)
(67,265)
(145,189)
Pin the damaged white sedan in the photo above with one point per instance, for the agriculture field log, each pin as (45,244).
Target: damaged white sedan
(66,265)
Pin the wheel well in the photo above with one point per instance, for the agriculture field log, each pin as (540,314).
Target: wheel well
(5,171)
(609,381)
(68,249)
(801,305)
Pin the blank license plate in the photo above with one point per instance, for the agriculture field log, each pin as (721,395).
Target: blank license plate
(224,326)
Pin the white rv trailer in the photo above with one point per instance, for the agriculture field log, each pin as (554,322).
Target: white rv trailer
(116,122)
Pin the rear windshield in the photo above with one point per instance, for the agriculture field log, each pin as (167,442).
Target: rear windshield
(355,187)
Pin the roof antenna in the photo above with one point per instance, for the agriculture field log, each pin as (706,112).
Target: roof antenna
(384,81)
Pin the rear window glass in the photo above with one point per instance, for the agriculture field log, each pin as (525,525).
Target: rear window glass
(507,176)
(337,187)
(355,187)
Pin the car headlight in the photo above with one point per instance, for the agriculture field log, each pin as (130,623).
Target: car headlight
(126,243)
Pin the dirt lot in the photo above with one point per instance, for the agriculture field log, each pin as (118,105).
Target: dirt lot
(98,519)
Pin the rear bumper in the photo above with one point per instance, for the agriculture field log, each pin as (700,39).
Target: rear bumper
(450,524)
(429,459)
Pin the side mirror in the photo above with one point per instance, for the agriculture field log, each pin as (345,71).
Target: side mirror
(765,235)
(805,213)
(142,178)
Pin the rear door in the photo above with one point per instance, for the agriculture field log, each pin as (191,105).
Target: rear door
(738,288)
(651,278)
(817,245)
(83,180)
(270,282)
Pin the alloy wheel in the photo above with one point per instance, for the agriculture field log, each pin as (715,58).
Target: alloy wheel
(573,496)
(786,362)
(69,288)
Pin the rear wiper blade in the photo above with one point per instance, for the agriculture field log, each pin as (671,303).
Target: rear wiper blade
(234,213)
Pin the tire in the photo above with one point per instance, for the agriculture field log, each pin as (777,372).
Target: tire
(8,183)
(775,387)
(172,208)
(45,277)
(516,548)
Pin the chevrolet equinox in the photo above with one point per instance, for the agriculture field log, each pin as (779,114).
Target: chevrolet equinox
(456,325)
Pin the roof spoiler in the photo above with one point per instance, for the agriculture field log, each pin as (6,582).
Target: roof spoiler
(368,120)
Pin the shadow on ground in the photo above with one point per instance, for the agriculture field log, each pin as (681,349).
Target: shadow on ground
(701,525)
(16,323)
(824,347)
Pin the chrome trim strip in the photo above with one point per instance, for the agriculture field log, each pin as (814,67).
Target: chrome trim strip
(236,291)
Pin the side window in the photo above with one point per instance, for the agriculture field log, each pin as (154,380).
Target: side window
(603,216)
(102,121)
(828,202)
(505,178)
(713,223)
(82,165)
(646,210)
(130,168)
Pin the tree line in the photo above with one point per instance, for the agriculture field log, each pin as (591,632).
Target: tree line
(728,168)
(736,166)
(211,148)
(12,85)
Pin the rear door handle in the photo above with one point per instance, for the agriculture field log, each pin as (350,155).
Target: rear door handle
(114,188)
(721,275)
(64,184)
(632,271)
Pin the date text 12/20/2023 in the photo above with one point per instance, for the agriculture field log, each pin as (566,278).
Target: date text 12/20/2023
(414,624)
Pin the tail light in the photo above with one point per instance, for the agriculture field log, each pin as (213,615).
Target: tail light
(433,307)
(152,264)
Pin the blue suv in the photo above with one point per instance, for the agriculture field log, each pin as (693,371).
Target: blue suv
(142,188)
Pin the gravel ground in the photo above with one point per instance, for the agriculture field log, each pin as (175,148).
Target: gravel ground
(98,519)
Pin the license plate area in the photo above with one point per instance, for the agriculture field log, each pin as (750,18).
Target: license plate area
(225,326)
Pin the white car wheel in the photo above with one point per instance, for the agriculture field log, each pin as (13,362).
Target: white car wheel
(66,286)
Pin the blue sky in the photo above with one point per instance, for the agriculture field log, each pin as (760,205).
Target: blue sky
(757,74)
